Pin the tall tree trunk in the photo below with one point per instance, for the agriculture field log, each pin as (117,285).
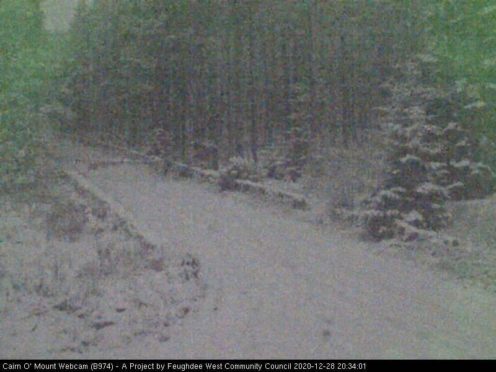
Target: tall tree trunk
(252,93)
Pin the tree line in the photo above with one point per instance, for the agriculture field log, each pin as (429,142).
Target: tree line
(235,73)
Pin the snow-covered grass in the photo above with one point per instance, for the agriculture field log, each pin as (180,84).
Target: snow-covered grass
(73,281)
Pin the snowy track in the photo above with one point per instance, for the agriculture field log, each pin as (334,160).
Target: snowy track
(279,287)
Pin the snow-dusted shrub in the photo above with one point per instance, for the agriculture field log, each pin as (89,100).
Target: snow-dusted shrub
(431,160)
(284,169)
(277,168)
(380,224)
(409,199)
(237,169)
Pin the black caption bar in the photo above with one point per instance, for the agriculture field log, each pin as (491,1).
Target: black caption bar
(232,365)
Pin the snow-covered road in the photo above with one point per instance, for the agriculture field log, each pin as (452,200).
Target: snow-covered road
(279,287)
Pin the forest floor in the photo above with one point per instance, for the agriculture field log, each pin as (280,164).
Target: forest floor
(272,284)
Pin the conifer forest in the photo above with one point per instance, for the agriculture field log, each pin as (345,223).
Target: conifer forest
(250,179)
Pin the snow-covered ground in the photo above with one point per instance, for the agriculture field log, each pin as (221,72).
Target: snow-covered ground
(280,287)
(72,280)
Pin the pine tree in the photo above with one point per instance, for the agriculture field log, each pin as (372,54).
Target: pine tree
(430,161)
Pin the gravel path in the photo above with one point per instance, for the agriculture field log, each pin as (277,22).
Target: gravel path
(279,287)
